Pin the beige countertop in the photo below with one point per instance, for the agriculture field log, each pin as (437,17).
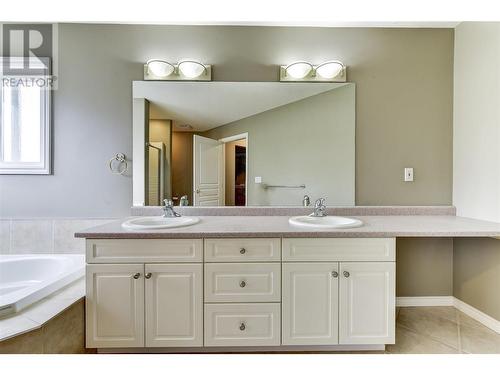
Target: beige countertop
(278,226)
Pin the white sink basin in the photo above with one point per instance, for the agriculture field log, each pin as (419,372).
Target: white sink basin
(159,222)
(325,222)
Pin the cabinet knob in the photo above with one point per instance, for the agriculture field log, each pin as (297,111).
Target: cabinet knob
(242,327)
(148,275)
(137,275)
(335,274)
(346,274)
(243,250)
(242,284)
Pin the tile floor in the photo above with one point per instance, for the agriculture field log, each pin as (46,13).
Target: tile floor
(441,330)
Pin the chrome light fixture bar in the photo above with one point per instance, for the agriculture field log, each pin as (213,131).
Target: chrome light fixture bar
(303,71)
(185,70)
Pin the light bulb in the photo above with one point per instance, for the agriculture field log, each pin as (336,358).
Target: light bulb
(191,69)
(330,69)
(298,69)
(160,68)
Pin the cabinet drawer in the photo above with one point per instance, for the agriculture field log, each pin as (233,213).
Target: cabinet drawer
(243,250)
(242,282)
(144,251)
(339,249)
(242,324)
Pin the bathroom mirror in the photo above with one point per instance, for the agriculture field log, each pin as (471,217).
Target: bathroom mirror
(243,143)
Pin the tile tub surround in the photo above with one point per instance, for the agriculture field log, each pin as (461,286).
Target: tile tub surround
(63,334)
(295,211)
(44,236)
(278,226)
(36,315)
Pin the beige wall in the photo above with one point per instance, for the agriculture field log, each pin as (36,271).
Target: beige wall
(403,106)
(310,142)
(424,267)
(476,273)
(182,164)
(476,168)
(476,136)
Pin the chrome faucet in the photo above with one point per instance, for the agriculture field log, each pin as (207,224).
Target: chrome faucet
(306,201)
(319,208)
(168,209)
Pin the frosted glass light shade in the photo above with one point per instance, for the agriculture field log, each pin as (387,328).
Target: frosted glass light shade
(299,69)
(330,69)
(191,69)
(160,68)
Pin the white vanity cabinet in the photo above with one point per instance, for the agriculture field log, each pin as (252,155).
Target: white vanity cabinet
(351,301)
(114,305)
(174,305)
(157,301)
(240,292)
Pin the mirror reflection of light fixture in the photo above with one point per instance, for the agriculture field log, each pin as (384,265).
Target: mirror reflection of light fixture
(302,71)
(185,70)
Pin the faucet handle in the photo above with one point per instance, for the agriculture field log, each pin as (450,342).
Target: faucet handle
(168,202)
(319,202)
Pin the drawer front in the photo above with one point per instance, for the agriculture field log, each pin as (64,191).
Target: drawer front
(242,282)
(339,249)
(243,250)
(144,251)
(242,324)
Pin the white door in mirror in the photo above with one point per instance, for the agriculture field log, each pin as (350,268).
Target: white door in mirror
(325,222)
(159,222)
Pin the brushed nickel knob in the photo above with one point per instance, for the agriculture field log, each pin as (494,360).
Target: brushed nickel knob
(148,275)
(346,274)
(242,327)
(243,250)
(335,274)
(242,283)
(137,275)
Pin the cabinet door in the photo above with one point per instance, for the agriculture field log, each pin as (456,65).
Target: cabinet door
(310,303)
(174,305)
(367,303)
(115,305)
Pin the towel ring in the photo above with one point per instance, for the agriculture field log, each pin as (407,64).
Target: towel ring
(120,158)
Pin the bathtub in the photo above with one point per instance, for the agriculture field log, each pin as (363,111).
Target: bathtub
(26,279)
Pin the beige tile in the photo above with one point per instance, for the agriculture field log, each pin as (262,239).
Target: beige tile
(64,234)
(409,342)
(31,236)
(478,339)
(431,322)
(13,324)
(46,309)
(65,334)
(4,236)
(73,291)
(27,343)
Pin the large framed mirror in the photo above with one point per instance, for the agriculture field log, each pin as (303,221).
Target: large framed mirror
(243,143)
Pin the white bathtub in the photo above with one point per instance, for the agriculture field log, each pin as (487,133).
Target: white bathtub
(26,279)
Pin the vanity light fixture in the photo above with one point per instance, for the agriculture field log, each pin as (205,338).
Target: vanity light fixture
(302,71)
(185,70)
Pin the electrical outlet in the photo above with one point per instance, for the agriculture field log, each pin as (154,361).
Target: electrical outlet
(408,174)
(258,180)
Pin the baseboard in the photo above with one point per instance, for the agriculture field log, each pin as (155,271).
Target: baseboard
(467,309)
(480,316)
(424,301)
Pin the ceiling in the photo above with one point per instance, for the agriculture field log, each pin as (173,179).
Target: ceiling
(207,105)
